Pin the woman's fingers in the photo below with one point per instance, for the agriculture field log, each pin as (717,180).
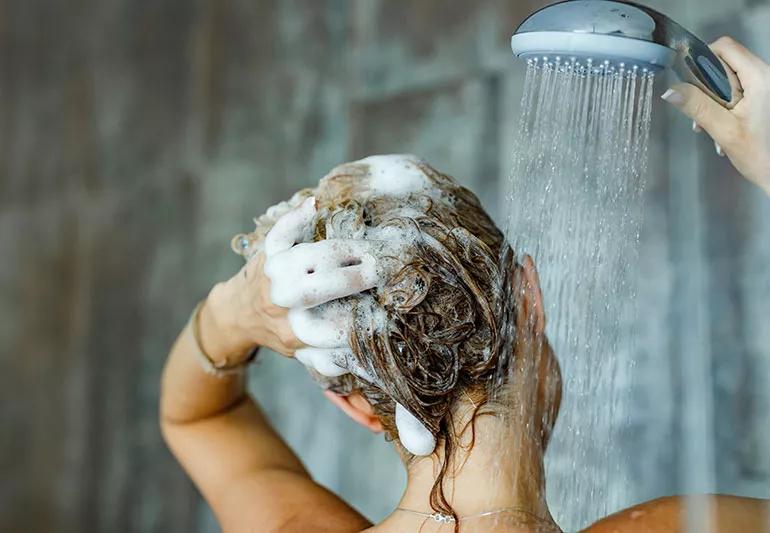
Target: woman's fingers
(745,64)
(325,330)
(722,125)
(325,326)
(707,114)
(333,362)
(329,325)
(327,362)
(293,227)
(310,274)
(742,133)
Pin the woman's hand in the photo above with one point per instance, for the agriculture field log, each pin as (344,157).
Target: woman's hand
(743,133)
(239,314)
(252,308)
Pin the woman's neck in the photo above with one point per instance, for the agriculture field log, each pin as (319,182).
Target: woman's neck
(502,470)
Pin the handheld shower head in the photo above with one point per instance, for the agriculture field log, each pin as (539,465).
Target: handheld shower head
(618,32)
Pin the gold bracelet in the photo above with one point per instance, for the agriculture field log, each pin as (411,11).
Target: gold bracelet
(211,367)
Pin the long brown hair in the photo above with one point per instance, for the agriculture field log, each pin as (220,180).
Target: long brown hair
(445,306)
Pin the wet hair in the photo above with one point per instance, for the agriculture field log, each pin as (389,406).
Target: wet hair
(446,306)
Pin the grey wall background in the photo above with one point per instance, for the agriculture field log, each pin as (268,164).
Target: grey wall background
(137,137)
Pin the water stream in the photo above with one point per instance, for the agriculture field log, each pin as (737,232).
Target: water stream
(574,203)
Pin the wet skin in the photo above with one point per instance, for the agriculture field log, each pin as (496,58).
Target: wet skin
(727,514)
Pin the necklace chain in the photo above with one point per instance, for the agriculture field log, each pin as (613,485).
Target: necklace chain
(442,518)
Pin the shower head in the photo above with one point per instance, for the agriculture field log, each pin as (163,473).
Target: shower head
(620,34)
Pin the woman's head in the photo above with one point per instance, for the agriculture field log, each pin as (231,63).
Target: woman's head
(444,301)
(444,325)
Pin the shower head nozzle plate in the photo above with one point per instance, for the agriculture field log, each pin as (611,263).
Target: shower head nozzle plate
(598,48)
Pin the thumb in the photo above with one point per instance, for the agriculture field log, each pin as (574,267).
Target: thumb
(712,117)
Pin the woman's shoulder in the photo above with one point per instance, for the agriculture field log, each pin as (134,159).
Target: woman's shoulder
(659,516)
(729,514)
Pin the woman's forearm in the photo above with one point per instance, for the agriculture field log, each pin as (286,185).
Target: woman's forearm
(212,426)
(188,392)
(243,468)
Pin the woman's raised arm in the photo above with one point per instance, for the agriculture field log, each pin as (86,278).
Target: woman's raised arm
(246,472)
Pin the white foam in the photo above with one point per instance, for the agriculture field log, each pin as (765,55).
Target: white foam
(310,274)
(324,326)
(371,316)
(415,437)
(393,234)
(327,362)
(314,273)
(334,362)
(249,245)
(406,211)
(395,174)
(359,371)
(293,226)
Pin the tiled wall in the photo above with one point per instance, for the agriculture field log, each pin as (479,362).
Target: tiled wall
(138,137)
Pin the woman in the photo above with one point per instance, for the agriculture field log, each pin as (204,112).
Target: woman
(385,281)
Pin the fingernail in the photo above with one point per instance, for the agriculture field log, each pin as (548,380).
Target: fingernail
(719,149)
(696,128)
(673,97)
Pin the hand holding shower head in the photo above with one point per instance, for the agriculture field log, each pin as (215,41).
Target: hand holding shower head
(629,35)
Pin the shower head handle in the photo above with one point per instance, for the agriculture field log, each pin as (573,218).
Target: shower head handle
(631,32)
(694,62)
